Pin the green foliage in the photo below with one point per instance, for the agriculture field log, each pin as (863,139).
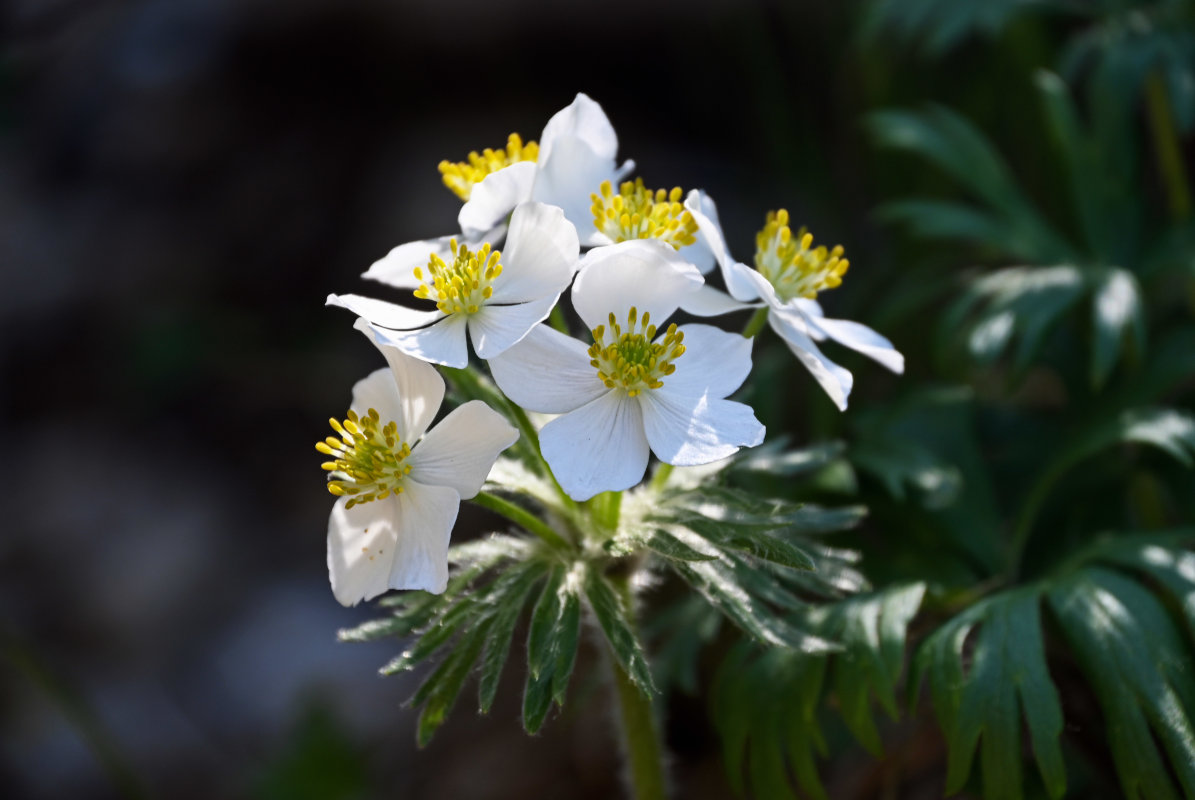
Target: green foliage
(987,669)
(471,626)
(766,702)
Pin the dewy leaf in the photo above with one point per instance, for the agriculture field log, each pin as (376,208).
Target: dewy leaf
(1008,678)
(612,618)
(1116,312)
(1130,650)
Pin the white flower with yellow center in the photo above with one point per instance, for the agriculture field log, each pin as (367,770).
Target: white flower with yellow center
(398,488)
(789,273)
(495,297)
(642,386)
(575,153)
(636,212)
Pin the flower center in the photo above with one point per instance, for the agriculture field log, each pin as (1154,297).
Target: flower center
(463,286)
(631,360)
(793,269)
(462,176)
(639,213)
(368,458)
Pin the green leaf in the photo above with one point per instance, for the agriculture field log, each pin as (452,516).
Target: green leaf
(1167,429)
(506,613)
(667,545)
(773,459)
(1008,678)
(760,544)
(568,635)
(1117,314)
(1134,657)
(541,645)
(439,691)
(945,219)
(1159,557)
(537,699)
(613,620)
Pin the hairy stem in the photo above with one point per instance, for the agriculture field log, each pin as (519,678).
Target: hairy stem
(642,750)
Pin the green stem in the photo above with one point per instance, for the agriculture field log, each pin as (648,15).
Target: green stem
(642,749)
(1033,503)
(557,320)
(1166,147)
(756,323)
(522,518)
(605,509)
(661,477)
(523,422)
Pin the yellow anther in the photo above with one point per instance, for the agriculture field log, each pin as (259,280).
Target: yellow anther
(462,176)
(796,268)
(639,213)
(368,465)
(634,360)
(463,286)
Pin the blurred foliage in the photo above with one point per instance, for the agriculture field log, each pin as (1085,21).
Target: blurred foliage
(1033,477)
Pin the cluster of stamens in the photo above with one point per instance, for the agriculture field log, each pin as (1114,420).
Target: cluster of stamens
(463,286)
(462,176)
(631,360)
(367,458)
(791,264)
(639,213)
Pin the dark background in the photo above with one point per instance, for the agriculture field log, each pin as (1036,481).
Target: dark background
(182,182)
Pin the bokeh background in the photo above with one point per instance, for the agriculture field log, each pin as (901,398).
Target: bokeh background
(182,182)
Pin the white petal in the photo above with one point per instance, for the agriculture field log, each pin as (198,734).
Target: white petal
(687,431)
(714,362)
(585,120)
(378,391)
(547,372)
(746,284)
(494,329)
(709,232)
(462,448)
(440,343)
(835,380)
(644,273)
(381,314)
(570,179)
(862,339)
(699,255)
(709,302)
(414,393)
(397,268)
(599,447)
(540,256)
(361,548)
(426,515)
(495,197)
(400,542)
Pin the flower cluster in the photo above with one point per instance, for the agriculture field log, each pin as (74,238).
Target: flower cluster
(537,218)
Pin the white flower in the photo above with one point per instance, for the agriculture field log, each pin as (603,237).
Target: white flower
(575,154)
(789,273)
(399,488)
(496,297)
(636,212)
(640,386)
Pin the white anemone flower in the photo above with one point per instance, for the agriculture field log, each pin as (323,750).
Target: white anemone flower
(575,154)
(496,297)
(399,485)
(640,386)
(789,274)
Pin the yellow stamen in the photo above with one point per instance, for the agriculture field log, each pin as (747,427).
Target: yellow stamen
(631,360)
(463,286)
(793,269)
(367,458)
(462,176)
(639,213)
